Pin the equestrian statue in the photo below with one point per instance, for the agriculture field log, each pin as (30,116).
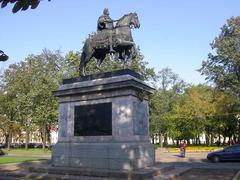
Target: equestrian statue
(110,39)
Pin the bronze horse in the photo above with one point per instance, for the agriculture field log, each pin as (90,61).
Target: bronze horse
(97,45)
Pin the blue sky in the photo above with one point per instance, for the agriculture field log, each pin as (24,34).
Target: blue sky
(173,33)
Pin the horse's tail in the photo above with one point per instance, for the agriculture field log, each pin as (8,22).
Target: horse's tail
(85,56)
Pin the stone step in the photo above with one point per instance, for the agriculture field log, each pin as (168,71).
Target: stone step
(48,172)
(135,174)
(44,176)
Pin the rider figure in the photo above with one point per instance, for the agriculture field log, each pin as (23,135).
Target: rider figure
(106,23)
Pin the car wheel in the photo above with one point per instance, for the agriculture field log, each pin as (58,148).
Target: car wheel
(215,159)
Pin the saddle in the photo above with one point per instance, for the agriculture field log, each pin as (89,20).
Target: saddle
(101,39)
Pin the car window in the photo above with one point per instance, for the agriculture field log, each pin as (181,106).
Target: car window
(233,149)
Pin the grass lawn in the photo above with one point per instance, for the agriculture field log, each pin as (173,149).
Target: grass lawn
(7,160)
(32,152)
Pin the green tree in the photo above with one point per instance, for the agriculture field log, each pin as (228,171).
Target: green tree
(223,65)
(190,112)
(31,83)
(224,122)
(161,102)
(8,115)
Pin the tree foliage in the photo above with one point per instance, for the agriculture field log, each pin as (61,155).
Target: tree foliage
(3,57)
(22,5)
(223,64)
(161,102)
(28,87)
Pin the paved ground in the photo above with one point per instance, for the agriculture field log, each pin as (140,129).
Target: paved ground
(171,165)
(210,174)
(198,167)
(167,157)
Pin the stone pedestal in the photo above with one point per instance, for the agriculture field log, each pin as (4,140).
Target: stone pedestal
(104,122)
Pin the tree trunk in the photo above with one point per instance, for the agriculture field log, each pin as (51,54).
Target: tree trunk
(219,138)
(224,140)
(198,140)
(27,139)
(178,142)
(165,140)
(194,141)
(49,137)
(9,140)
(161,139)
(212,139)
(207,139)
(174,143)
(44,137)
(234,139)
(6,138)
(153,139)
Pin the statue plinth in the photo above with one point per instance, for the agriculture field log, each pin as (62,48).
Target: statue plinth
(104,122)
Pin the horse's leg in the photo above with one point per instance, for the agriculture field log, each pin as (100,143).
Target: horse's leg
(129,55)
(133,51)
(99,62)
(123,58)
(82,65)
(85,57)
(82,69)
(112,56)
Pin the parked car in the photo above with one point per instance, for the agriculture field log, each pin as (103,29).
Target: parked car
(230,153)
(2,146)
(38,145)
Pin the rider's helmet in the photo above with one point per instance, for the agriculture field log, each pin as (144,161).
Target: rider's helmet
(105,11)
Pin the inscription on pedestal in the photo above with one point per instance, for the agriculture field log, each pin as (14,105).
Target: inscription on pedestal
(93,120)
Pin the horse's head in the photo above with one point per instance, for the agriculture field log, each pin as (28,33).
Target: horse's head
(130,19)
(134,21)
